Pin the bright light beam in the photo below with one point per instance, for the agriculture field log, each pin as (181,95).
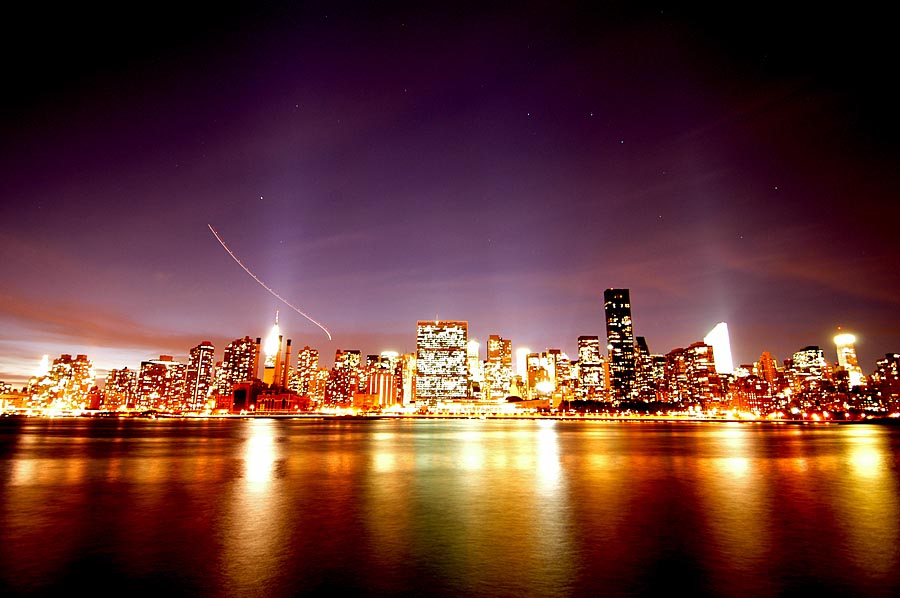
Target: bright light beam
(261,283)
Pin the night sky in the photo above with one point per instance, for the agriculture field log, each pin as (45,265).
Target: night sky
(496,163)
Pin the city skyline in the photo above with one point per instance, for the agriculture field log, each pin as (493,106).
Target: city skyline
(270,350)
(378,165)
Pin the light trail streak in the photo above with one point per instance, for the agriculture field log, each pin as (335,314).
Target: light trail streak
(262,284)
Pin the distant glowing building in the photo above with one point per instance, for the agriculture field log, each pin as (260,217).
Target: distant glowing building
(161,384)
(498,368)
(719,340)
(272,350)
(441,364)
(198,376)
(307,365)
(522,362)
(766,368)
(240,364)
(809,369)
(120,389)
(344,378)
(65,384)
(620,340)
(591,378)
(846,353)
(645,385)
(700,371)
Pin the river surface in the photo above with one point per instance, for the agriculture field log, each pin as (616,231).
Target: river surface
(446,508)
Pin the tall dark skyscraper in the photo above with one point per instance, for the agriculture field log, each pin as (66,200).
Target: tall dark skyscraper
(620,340)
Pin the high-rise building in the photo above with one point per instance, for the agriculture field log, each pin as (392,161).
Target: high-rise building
(719,340)
(307,364)
(498,368)
(767,368)
(272,350)
(809,369)
(161,384)
(198,376)
(344,378)
(700,371)
(591,380)
(676,386)
(120,389)
(846,353)
(240,364)
(441,368)
(620,340)
(382,385)
(64,385)
(886,380)
(643,370)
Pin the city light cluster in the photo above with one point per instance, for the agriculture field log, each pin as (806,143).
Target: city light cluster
(615,376)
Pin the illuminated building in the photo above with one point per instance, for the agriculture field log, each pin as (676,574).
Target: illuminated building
(886,380)
(536,367)
(441,352)
(643,370)
(589,350)
(846,353)
(198,376)
(620,340)
(473,362)
(407,367)
(344,378)
(700,371)
(751,393)
(766,368)
(522,362)
(808,369)
(383,386)
(161,384)
(676,382)
(65,385)
(272,350)
(319,384)
(307,365)
(240,364)
(719,340)
(591,379)
(120,389)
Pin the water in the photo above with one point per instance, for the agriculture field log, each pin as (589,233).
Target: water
(446,508)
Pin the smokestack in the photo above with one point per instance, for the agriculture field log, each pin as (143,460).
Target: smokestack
(276,381)
(256,359)
(287,364)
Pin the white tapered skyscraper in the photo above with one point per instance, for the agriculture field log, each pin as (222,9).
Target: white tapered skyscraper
(719,340)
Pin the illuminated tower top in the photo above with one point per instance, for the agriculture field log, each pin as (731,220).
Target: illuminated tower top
(846,353)
(719,340)
(273,344)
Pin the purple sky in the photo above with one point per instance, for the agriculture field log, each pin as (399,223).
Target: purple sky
(380,166)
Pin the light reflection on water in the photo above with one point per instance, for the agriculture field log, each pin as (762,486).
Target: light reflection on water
(280,507)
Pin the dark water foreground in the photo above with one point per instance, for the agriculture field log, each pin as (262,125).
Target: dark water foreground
(446,508)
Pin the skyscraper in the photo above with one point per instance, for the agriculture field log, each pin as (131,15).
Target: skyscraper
(846,352)
(591,383)
(441,369)
(198,377)
(161,384)
(498,367)
(120,389)
(239,364)
(620,340)
(272,349)
(719,340)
